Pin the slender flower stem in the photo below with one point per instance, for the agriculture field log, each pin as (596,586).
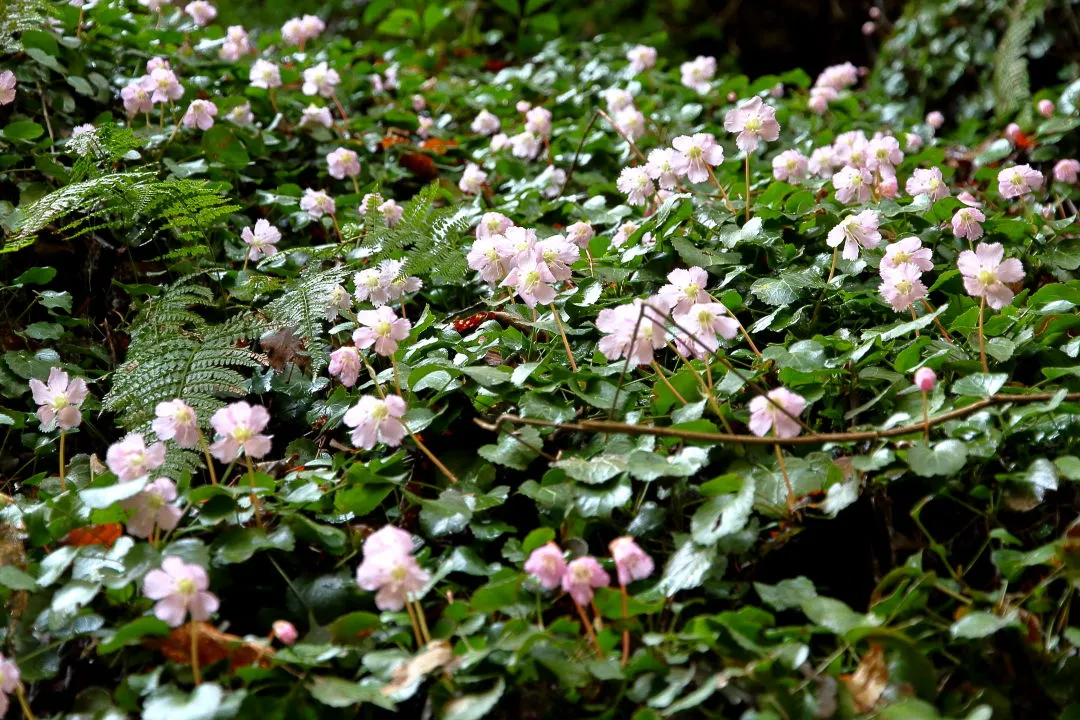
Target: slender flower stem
(356,186)
(747,157)
(209,458)
(926,417)
(982,338)
(244,266)
(431,456)
(663,378)
(337,228)
(27,715)
(623,135)
(787,480)
(588,628)
(415,625)
(723,192)
(273,101)
(914,316)
(626,631)
(562,334)
(422,619)
(742,329)
(937,321)
(832,268)
(397,379)
(63,479)
(193,631)
(340,109)
(255,502)
(592,270)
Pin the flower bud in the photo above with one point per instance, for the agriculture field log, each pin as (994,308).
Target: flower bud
(285,631)
(1045,107)
(1012,131)
(925,379)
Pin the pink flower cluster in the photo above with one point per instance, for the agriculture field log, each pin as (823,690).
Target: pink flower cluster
(829,84)
(580,577)
(298,30)
(389,569)
(512,257)
(158,85)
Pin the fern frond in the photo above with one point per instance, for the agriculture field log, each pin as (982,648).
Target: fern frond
(302,308)
(1011,83)
(17,16)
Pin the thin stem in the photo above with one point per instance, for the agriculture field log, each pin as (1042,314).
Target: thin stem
(356,185)
(562,334)
(431,456)
(589,628)
(592,270)
(626,631)
(337,228)
(982,337)
(255,502)
(193,630)
(709,398)
(63,478)
(341,110)
(415,625)
(937,321)
(422,619)
(22,702)
(623,135)
(914,316)
(209,458)
(787,480)
(832,268)
(926,417)
(273,101)
(397,379)
(244,266)
(723,192)
(747,157)
(666,382)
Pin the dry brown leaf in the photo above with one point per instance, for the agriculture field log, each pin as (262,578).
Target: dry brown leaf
(94,535)
(214,646)
(438,654)
(869,680)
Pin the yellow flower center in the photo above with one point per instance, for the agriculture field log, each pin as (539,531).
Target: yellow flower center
(154,501)
(904,287)
(695,153)
(242,434)
(383,329)
(753,124)
(532,278)
(986,277)
(900,258)
(380,412)
(185,587)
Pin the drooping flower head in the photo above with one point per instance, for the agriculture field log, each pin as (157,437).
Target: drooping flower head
(345,364)
(131,458)
(754,121)
(620,339)
(582,577)
(152,508)
(855,231)
(472,180)
(201,12)
(790,166)
(382,329)
(375,420)
(262,240)
(136,98)
(320,80)
(776,412)
(390,569)
(547,565)
(265,75)
(240,426)
(966,223)
(1018,181)
(635,183)
(59,400)
(925,379)
(200,114)
(902,286)
(580,233)
(641,57)
(631,562)
(986,273)
(342,163)
(317,203)
(1066,171)
(180,588)
(907,251)
(175,420)
(927,182)
(853,185)
(315,115)
(485,123)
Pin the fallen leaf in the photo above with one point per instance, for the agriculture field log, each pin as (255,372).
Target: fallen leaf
(869,680)
(94,535)
(437,146)
(436,655)
(213,646)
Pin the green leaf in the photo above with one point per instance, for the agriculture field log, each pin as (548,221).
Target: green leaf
(537,538)
(13,578)
(206,702)
(474,707)
(35,276)
(836,616)
(220,145)
(785,288)
(981,385)
(945,458)
(687,567)
(786,594)
(363,499)
(132,633)
(723,516)
(23,130)
(103,497)
(339,693)
(514,448)
(593,471)
(979,625)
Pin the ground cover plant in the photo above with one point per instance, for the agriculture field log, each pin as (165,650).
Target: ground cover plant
(441,375)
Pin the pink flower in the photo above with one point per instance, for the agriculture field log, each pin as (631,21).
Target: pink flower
(320,80)
(641,57)
(907,251)
(925,379)
(985,274)
(345,365)
(472,180)
(262,240)
(130,458)
(180,588)
(777,412)
(266,75)
(376,420)
(391,212)
(489,256)
(902,286)
(9,682)
(491,224)
(136,98)
(58,400)
(372,286)
(855,231)
(868,28)
(240,426)
(634,182)
(524,145)
(343,163)
(883,154)
(819,99)
(285,632)
(965,223)
(631,562)
(337,303)
(152,508)
(425,124)
(558,255)
(913,141)
(625,232)
(552,181)
(1018,180)
(292,32)
(852,148)
(685,288)
(394,574)
(538,121)
(838,77)
(530,279)
(582,576)
(618,324)
(175,420)
(580,233)
(500,142)
(162,85)
(522,106)
(388,539)
(852,185)
(790,165)
(887,187)
(927,182)
(698,328)
(696,153)
(968,199)
(236,44)
(381,328)
(200,114)
(201,12)
(1066,171)
(315,115)
(1013,132)
(697,73)
(632,122)
(547,565)
(1045,107)
(157,62)
(485,123)
(661,167)
(822,161)
(7,87)
(317,203)
(935,119)
(754,121)
(617,99)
